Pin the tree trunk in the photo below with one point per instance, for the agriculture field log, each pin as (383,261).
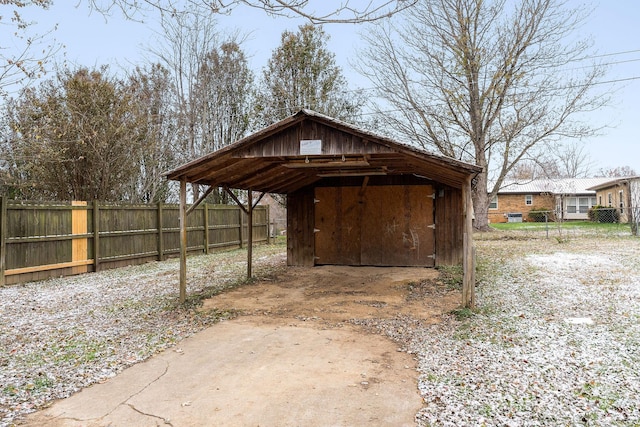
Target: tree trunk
(481,203)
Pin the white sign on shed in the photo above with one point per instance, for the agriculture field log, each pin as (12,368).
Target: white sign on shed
(310,147)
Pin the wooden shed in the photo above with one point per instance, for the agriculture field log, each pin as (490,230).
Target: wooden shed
(353,197)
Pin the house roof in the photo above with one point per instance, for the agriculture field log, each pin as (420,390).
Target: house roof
(553,186)
(612,182)
(270,159)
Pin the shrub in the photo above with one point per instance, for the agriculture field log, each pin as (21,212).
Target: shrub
(604,214)
(538,215)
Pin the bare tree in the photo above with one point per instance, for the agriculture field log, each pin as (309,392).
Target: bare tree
(483,81)
(315,11)
(183,44)
(157,134)
(567,161)
(620,171)
(574,161)
(211,82)
(23,54)
(530,169)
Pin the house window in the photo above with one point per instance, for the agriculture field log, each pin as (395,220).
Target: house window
(610,199)
(572,205)
(621,200)
(493,204)
(600,200)
(583,203)
(528,200)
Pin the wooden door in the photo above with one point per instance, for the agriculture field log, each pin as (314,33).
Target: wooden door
(381,226)
(337,225)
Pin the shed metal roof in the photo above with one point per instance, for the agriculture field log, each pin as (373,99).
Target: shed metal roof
(258,162)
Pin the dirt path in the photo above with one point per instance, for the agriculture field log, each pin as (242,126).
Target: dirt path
(332,295)
(293,357)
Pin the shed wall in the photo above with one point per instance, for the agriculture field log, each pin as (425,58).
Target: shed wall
(334,142)
(449,216)
(448,236)
(300,219)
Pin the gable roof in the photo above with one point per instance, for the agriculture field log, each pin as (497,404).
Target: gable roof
(552,186)
(612,182)
(270,160)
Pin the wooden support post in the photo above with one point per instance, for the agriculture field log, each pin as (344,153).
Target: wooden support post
(183,240)
(96,236)
(3,238)
(249,234)
(468,257)
(206,229)
(241,225)
(249,211)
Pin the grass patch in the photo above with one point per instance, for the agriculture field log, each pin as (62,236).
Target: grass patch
(463,313)
(568,225)
(451,276)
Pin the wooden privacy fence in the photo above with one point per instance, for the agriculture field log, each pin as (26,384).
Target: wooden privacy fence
(39,240)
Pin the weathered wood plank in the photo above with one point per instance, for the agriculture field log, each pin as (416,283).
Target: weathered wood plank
(396,226)
(338,212)
(449,226)
(39,268)
(79,247)
(300,236)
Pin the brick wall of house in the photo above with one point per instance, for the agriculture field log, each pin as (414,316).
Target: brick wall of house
(509,203)
(612,197)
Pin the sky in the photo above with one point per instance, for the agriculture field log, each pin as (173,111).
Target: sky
(92,40)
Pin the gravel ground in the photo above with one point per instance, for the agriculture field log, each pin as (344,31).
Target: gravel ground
(60,335)
(555,339)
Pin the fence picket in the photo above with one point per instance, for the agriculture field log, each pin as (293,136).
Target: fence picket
(46,239)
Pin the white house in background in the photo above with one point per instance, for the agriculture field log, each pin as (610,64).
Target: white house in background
(574,197)
(570,198)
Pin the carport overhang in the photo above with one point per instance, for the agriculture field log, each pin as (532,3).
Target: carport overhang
(255,167)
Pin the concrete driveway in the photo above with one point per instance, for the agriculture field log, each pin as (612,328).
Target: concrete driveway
(246,372)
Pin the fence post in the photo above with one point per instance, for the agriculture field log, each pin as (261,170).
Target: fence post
(160,236)
(206,228)
(3,237)
(96,236)
(79,227)
(241,221)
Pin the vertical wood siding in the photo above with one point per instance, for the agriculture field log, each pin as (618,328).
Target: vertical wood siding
(449,226)
(300,220)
